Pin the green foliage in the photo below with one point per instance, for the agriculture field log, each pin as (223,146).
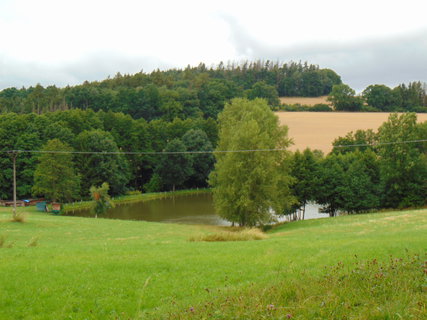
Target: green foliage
(192,92)
(55,177)
(380,97)
(401,164)
(202,163)
(155,184)
(174,167)
(101,199)
(105,131)
(304,169)
(246,185)
(343,98)
(262,90)
(98,168)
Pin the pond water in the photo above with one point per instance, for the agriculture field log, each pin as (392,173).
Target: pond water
(186,209)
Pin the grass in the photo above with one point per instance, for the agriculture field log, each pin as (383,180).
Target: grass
(232,235)
(367,266)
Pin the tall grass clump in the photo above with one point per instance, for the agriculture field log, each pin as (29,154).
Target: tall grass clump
(19,217)
(2,241)
(241,235)
(34,241)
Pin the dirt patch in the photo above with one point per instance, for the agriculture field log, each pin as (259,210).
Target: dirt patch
(317,130)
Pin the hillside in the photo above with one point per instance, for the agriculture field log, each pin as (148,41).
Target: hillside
(362,266)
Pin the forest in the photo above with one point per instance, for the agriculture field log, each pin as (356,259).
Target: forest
(141,120)
(192,92)
(202,92)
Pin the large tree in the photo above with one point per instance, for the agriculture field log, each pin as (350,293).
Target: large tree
(197,141)
(379,96)
(344,98)
(174,166)
(248,184)
(304,168)
(403,164)
(102,163)
(55,177)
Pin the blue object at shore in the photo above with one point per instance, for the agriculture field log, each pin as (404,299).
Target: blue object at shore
(41,206)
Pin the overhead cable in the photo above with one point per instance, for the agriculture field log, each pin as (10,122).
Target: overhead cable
(197,152)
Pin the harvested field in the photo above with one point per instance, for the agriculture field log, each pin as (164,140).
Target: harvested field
(317,130)
(305,101)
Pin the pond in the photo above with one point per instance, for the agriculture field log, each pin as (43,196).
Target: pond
(185,209)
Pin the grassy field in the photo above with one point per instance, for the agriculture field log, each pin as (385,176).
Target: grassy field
(305,101)
(318,130)
(351,267)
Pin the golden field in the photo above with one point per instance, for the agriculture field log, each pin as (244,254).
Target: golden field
(304,101)
(317,130)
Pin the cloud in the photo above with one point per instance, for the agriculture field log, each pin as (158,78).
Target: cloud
(383,60)
(96,66)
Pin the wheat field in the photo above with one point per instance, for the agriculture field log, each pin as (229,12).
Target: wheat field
(317,130)
(305,101)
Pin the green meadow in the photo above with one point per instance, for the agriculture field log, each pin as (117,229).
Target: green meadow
(370,266)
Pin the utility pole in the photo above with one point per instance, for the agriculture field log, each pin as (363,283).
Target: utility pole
(14,155)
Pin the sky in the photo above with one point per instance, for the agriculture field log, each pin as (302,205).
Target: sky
(65,42)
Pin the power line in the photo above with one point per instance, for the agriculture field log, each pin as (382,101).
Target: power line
(140,153)
(378,144)
(197,152)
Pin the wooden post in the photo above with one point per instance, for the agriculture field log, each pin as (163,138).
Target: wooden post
(14,155)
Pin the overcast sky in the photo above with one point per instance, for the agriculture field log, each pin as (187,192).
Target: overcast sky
(67,42)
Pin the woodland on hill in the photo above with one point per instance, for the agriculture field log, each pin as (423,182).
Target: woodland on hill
(139,118)
(192,92)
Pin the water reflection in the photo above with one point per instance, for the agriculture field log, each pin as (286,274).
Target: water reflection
(186,209)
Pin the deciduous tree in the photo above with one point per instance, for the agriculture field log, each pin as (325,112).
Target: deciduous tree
(55,176)
(248,186)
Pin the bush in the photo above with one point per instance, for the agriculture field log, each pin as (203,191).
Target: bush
(366,108)
(321,107)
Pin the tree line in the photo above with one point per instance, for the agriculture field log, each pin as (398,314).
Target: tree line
(100,132)
(185,93)
(380,98)
(366,170)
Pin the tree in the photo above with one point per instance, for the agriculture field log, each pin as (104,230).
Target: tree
(101,167)
(331,187)
(304,168)
(263,90)
(174,166)
(343,98)
(55,176)
(403,165)
(380,97)
(197,140)
(102,201)
(248,185)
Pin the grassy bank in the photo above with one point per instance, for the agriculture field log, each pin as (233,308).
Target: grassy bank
(352,267)
(133,198)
